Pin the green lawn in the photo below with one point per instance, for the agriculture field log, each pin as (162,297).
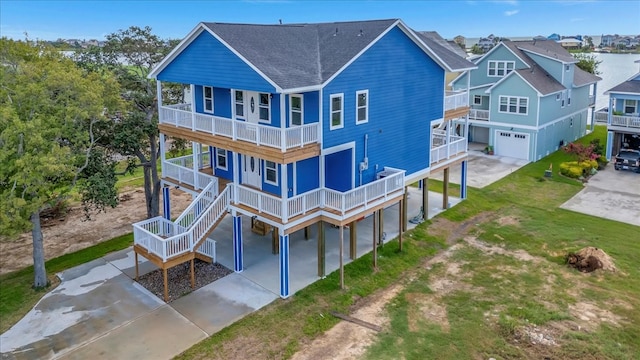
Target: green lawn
(497,298)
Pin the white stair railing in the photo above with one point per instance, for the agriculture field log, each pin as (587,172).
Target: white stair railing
(197,206)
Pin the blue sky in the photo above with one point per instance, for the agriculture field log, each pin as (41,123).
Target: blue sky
(49,20)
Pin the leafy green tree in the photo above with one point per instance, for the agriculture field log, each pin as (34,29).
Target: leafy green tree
(131,54)
(50,113)
(588,63)
(477,50)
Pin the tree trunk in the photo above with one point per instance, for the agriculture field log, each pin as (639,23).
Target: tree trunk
(40,273)
(152,181)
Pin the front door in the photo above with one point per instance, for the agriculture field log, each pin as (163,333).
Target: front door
(252,102)
(251,174)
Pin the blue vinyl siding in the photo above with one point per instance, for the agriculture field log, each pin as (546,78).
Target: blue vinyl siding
(479,75)
(206,61)
(221,101)
(290,175)
(308,174)
(514,86)
(270,188)
(225,174)
(405,94)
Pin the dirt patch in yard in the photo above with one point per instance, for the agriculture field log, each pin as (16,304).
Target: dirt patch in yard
(71,232)
(590,259)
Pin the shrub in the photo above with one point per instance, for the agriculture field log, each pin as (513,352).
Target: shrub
(574,169)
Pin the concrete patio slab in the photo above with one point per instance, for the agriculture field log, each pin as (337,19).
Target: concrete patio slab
(483,169)
(609,194)
(223,302)
(160,334)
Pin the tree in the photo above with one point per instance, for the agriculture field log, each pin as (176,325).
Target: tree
(588,63)
(477,50)
(50,111)
(131,54)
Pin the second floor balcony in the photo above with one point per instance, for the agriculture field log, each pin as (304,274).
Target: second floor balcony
(456,104)
(624,121)
(445,149)
(282,145)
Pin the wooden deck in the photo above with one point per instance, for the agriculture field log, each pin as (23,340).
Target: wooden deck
(238,146)
(456,113)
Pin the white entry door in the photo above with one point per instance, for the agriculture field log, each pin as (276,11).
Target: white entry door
(251,174)
(512,144)
(252,104)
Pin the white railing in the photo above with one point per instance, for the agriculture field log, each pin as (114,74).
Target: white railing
(477,114)
(208,248)
(183,106)
(343,203)
(592,100)
(625,121)
(197,206)
(601,116)
(454,100)
(167,239)
(185,175)
(455,146)
(261,135)
(187,160)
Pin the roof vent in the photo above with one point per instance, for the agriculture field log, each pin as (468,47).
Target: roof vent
(360,34)
(336,33)
(280,21)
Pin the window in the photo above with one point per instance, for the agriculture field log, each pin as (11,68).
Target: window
(569,97)
(564,97)
(239,103)
(362,106)
(567,67)
(629,106)
(558,96)
(207,94)
(477,99)
(271,172)
(514,105)
(263,106)
(221,159)
(295,113)
(336,112)
(500,68)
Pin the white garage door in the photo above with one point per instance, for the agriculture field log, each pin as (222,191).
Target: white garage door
(515,145)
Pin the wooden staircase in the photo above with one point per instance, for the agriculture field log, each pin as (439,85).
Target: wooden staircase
(169,243)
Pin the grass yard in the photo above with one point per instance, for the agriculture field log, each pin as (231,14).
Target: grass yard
(484,279)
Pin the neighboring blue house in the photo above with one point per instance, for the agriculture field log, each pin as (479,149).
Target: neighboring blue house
(622,116)
(528,98)
(299,124)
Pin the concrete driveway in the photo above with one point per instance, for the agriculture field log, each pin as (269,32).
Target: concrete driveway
(484,169)
(609,194)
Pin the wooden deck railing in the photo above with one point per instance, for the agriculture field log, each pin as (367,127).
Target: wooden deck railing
(261,135)
(167,239)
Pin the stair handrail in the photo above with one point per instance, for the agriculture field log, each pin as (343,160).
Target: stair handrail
(207,196)
(221,205)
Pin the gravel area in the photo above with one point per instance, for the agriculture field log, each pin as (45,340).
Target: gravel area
(179,279)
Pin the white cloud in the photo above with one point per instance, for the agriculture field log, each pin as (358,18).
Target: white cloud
(511,12)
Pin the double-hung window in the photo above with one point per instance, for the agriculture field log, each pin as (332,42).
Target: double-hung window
(271,172)
(221,159)
(337,111)
(500,68)
(477,99)
(239,101)
(362,106)
(264,108)
(514,105)
(296,110)
(630,106)
(207,99)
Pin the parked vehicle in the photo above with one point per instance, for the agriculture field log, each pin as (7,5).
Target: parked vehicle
(628,159)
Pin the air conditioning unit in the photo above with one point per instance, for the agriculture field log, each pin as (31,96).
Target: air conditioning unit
(383,174)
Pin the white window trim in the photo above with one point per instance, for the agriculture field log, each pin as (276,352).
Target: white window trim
(265,172)
(635,106)
(204,99)
(268,107)
(291,109)
(366,106)
(477,97)
(226,159)
(518,98)
(244,106)
(567,67)
(558,96)
(331,97)
(506,67)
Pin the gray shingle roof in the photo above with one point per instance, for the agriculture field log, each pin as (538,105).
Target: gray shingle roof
(544,83)
(546,48)
(629,86)
(454,58)
(582,78)
(301,55)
